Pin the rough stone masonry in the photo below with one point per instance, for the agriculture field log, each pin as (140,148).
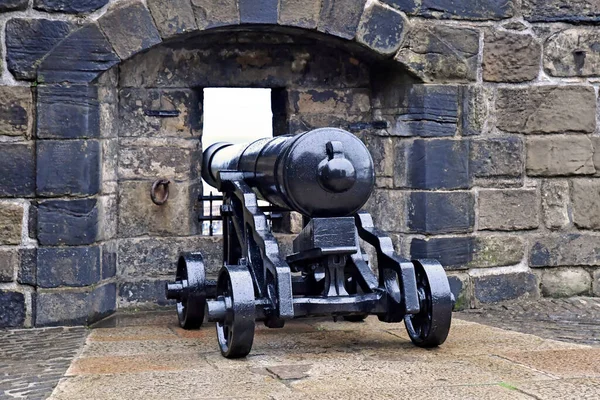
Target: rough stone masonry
(488,160)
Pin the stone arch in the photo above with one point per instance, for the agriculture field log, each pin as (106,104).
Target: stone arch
(132,27)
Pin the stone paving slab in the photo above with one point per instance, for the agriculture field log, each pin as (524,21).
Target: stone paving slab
(152,358)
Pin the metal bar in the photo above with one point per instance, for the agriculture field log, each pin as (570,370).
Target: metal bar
(210,224)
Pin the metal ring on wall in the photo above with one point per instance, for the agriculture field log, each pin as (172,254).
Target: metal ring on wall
(154,192)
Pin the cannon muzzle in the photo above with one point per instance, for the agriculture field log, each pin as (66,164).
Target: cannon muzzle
(323,172)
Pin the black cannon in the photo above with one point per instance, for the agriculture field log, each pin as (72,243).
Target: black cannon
(327,175)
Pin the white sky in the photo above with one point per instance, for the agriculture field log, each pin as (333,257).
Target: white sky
(236,115)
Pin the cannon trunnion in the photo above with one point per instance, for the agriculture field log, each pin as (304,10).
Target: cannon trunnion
(327,175)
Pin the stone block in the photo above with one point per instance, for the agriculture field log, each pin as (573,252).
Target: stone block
(341,18)
(134,293)
(480,10)
(16,111)
(9,262)
(497,251)
(424,110)
(17,170)
(399,126)
(382,151)
(67,222)
(438,164)
(381,28)
(470,252)
(555,204)
(68,167)
(130,29)
(290,65)
(498,288)
(29,40)
(69,6)
(108,98)
(135,105)
(138,215)
(475,110)
(565,250)
(565,282)
(102,302)
(107,217)
(441,212)
(453,253)
(328,101)
(459,286)
(68,266)
(298,123)
(156,258)
(212,14)
(67,307)
(110,162)
(573,52)
(400,173)
(440,53)
(510,57)
(67,112)
(596,283)
(300,13)
(497,158)
(170,162)
(596,157)
(586,203)
(508,210)
(27,274)
(564,155)
(546,109)
(258,11)
(13,5)
(80,57)
(109,259)
(11,223)
(12,309)
(561,10)
(388,208)
(173,17)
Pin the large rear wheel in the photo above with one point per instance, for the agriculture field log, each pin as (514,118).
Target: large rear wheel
(430,327)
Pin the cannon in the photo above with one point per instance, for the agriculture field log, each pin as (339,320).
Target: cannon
(327,175)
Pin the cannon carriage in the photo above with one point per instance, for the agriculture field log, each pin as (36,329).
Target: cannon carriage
(326,175)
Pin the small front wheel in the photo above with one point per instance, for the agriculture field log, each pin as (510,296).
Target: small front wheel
(430,327)
(189,289)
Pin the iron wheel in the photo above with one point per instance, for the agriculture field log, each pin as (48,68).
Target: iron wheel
(192,298)
(430,327)
(235,333)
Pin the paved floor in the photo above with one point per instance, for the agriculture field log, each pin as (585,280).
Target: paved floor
(32,361)
(151,358)
(145,355)
(575,320)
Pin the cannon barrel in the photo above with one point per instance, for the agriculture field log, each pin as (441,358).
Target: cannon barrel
(325,172)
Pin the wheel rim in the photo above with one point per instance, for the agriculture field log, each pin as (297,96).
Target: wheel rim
(431,325)
(235,333)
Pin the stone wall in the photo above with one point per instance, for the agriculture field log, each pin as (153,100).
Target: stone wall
(482,119)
